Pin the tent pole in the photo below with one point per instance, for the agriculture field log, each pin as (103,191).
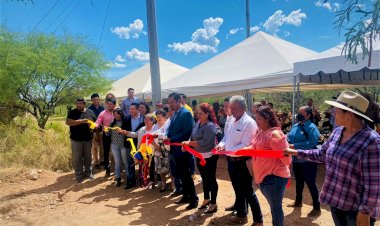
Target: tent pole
(249,101)
(294,99)
(298,92)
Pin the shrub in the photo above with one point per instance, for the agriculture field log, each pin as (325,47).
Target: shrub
(24,144)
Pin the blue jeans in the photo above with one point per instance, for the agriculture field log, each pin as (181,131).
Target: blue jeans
(120,156)
(346,218)
(273,188)
(174,173)
(131,172)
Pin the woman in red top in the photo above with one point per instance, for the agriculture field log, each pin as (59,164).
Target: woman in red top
(270,174)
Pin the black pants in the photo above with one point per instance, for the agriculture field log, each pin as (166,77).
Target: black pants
(229,173)
(306,172)
(242,183)
(346,218)
(208,174)
(106,150)
(152,171)
(183,167)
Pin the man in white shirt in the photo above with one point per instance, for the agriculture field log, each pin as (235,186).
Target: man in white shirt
(239,132)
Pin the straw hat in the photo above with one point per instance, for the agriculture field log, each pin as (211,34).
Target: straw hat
(352,102)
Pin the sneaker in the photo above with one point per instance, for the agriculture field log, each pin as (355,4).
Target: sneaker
(91,176)
(314,213)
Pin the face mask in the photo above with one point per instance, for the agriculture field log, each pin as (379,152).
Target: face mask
(300,118)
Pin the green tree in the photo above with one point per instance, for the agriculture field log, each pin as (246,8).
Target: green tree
(39,72)
(360,21)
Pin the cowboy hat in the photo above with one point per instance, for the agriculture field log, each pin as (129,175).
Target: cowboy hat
(353,102)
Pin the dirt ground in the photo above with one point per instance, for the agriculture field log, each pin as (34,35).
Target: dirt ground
(55,199)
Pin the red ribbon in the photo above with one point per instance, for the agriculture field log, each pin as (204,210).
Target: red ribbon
(243,152)
(191,151)
(251,153)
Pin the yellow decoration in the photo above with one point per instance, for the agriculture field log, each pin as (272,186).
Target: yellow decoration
(145,150)
(106,129)
(133,147)
(92,124)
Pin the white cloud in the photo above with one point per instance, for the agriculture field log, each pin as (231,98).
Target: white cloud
(137,55)
(254,29)
(295,18)
(274,22)
(133,30)
(327,5)
(203,40)
(116,65)
(234,31)
(119,58)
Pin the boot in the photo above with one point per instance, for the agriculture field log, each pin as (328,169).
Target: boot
(118,182)
(108,172)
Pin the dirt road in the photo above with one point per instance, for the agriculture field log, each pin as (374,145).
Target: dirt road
(54,199)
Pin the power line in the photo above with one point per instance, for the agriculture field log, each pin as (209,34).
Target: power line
(101,33)
(46,14)
(67,16)
(64,10)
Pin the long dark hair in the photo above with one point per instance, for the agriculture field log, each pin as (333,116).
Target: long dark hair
(120,112)
(207,108)
(309,111)
(267,113)
(146,107)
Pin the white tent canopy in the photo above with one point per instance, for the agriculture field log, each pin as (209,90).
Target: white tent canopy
(331,67)
(259,62)
(140,79)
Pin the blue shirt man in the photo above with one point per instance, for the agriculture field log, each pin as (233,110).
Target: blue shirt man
(126,104)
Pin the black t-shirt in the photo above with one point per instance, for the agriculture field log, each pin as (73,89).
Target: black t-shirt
(81,132)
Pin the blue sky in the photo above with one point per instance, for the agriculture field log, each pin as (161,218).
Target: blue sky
(189,31)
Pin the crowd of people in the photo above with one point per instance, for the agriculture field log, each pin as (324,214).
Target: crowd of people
(351,154)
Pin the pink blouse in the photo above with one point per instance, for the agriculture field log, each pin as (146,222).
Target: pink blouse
(263,167)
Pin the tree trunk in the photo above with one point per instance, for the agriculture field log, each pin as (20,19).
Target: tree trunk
(42,121)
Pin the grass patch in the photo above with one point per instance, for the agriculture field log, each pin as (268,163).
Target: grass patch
(23,144)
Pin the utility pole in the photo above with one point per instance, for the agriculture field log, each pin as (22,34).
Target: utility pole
(248,31)
(247,18)
(153,51)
